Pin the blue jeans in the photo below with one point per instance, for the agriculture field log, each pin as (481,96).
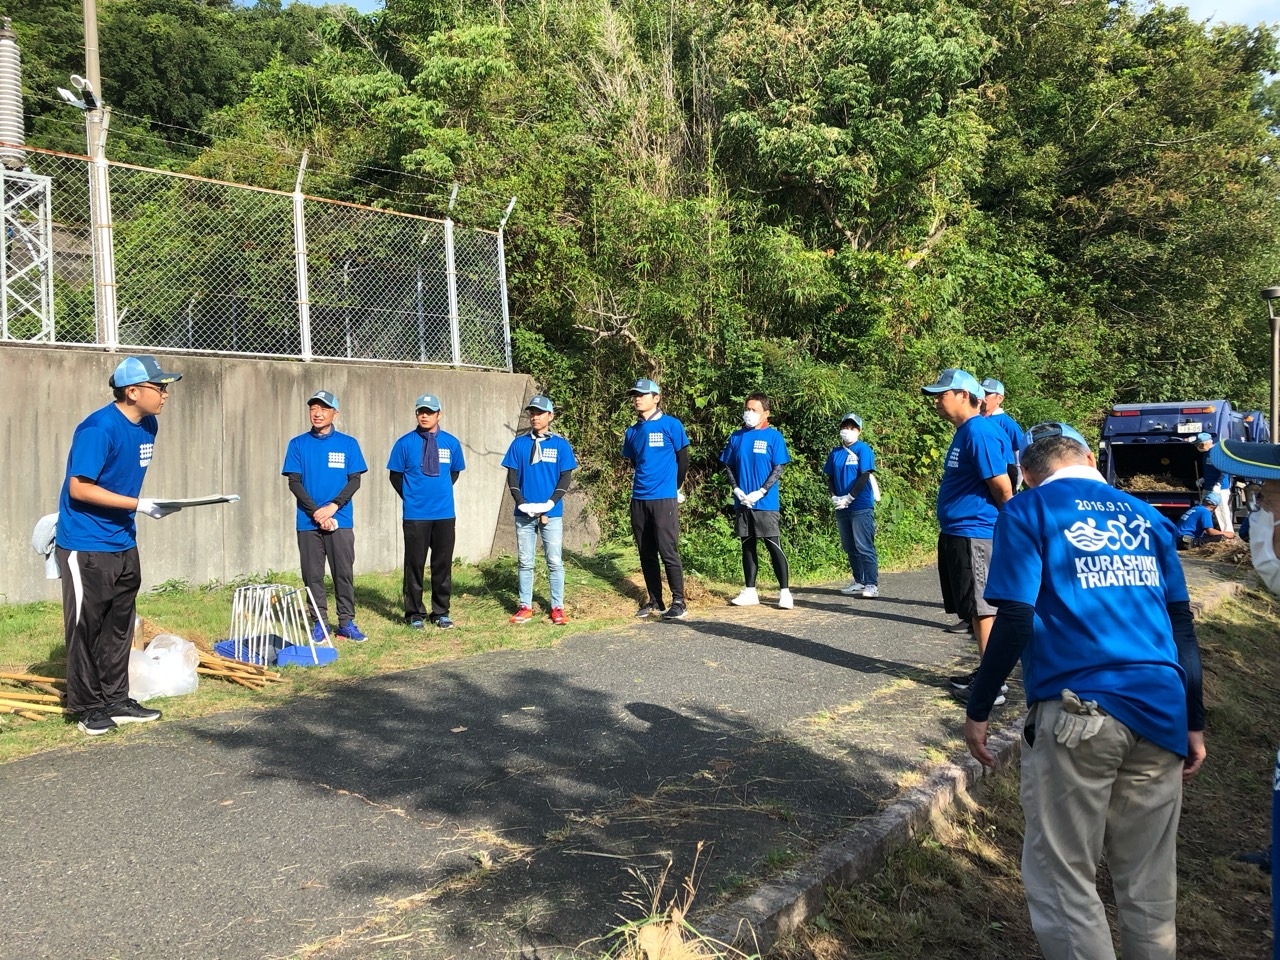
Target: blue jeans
(858,540)
(528,530)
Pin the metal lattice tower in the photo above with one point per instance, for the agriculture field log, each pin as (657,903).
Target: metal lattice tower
(26,254)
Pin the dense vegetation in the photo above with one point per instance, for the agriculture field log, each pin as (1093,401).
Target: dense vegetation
(827,200)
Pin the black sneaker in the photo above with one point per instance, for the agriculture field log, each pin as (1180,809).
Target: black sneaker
(649,609)
(95,723)
(131,711)
(960,687)
(676,611)
(964,626)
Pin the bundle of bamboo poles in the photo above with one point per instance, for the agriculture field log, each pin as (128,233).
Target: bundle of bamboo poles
(246,674)
(33,698)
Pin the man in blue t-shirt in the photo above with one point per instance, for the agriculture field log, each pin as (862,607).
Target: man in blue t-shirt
(754,458)
(1196,526)
(424,465)
(97,547)
(993,410)
(323,467)
(1092,599)
(658,448)
(850,471)
(975,485)
(539,466)
(1213,480)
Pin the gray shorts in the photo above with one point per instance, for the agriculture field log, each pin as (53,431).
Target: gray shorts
(758,523)
(963,564)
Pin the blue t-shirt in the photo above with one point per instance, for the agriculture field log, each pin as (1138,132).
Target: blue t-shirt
(1195,522)
(1100,567)
(114,452)
(324,462)
(1011,431)
(427,498)
(538,480)
(978,451)
(1213,477)
(651,447)
(752,455)
(845,465)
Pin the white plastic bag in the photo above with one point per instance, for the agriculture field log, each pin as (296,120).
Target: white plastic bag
(1262,548)
(166,668)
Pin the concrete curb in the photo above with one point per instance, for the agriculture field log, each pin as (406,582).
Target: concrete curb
(779,907)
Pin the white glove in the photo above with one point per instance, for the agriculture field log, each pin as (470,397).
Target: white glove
(1079,720)
(1199,481)
(841,502)
(740,494)
(529,509)
(754,497)
(680,497)
(154,510)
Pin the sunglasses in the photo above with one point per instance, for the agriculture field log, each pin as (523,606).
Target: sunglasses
(157,387)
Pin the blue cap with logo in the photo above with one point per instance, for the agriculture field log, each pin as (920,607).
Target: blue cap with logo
(143,369)
(325,397)
(429,402)
(1055,428)
(954,378)
(852,418)
(645,385)
(992,385)
(541,403)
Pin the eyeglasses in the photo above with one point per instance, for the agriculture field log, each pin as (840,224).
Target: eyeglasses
(157,387)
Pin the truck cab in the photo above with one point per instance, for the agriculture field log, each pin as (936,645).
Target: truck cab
(1148,449)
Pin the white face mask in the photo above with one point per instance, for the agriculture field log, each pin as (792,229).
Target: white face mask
(850,436)
(1262,549)
(750,419)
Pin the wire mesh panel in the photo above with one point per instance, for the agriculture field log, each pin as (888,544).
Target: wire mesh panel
(208,266)
(72,245)
(202,265)
(482,330)
(379,287)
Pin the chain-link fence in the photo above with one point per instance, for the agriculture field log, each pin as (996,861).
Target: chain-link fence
(206,266)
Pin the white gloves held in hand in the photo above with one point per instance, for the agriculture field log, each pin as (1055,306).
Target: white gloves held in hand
(752,498)
(680,497)
(533,509)
(1079,720)
(840,503)
(740,495)
(153,510)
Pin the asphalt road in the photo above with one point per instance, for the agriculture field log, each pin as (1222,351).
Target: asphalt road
(507,804)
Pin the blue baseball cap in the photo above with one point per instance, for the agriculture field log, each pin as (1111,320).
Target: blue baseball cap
(1203,438)
(954,378)
(1054,428)
(992,385)
(1213,498)
(428,401)
(541,403)
(144,369)
(645,385)
(852,418)
(325,397)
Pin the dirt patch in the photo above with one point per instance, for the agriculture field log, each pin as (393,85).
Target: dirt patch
(1152,481)
(1234,551)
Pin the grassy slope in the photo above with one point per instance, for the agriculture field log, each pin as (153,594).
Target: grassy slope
(956,892)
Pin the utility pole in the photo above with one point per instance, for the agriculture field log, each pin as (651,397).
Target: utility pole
(96,120)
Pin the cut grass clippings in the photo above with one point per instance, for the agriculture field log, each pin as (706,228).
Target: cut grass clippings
(955,893)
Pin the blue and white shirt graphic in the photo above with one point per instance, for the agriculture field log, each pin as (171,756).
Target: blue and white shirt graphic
(752,454)
(651,445)
(427,498)
(845,465)
(325,462)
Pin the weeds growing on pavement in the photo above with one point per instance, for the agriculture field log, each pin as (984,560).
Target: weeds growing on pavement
(956,892)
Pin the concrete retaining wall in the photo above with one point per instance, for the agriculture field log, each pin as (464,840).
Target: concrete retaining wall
(224,430)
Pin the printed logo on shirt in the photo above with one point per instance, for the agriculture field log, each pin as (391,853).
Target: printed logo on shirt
(337,460)
(1113,569)
(953,459)
(760,446)
(446,455)
(851,459)
(145,452)
(550,455)
(657,439)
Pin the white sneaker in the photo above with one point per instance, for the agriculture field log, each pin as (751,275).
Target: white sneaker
(784,600)
(870,591)
(853,587)
(747,598)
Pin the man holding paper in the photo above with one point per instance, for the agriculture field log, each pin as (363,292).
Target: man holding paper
(97,547)
(539,464)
